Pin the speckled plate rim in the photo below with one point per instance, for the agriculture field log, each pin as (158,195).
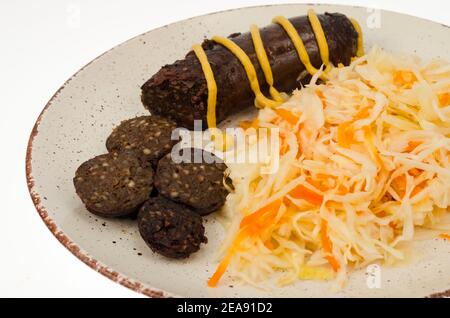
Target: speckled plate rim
(72,246)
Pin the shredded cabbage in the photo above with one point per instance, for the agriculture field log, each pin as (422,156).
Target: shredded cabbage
(364,161)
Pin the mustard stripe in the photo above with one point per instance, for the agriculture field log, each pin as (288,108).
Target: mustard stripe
(297,41)
(360,50)
(320,38)
(264,62)
(211,84)
(261,100)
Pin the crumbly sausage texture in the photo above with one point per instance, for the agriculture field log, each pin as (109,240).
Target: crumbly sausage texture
(198,185)
(170,229)
(148,137)
(113,184)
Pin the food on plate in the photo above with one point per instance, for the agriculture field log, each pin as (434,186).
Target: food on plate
(113,184)
(170,229)
(199,185)
(148,137)
(364,161)
(237,72)
(216,79)
(361,152)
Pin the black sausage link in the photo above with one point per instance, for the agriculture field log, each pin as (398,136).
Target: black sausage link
(178,91)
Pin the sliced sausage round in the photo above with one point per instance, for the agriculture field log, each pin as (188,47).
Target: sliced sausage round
(170,229)
(113,184)
(148,137)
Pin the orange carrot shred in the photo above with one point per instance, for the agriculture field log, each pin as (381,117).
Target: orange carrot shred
(212,282)
(363,113)
(284,149)
(342,190)
(269,244)
(415,172)
(284,146)
(287,115)
(404,79)
(418,188)
(393,225)
(246,124)
(445,236)
(317,184)
(412,145)
(345,134)
(322,97)
(368,135)
(302,192)
(249,226)
(399,185)
(381,214)
(444,99)
(327,246)
(251,218)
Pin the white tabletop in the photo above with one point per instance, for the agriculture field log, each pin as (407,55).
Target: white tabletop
(42,44)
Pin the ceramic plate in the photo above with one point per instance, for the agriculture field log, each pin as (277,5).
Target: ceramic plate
(75,123)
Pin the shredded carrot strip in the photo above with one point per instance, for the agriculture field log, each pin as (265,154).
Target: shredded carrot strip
(249,226)
(246,124)
(399,184)
(444,99)
(334,263)
(418,188)
(269,244)
(264,222)
(445,236)
(322,176)
(392,225)
(368,135)
(287,115)
(251,218)
(322,97)
(284,146)
(363,113)
(328,246)
(283,149)
(404,79)
(317,184)
(412,145)
(415,172)
(342,190)
(345,130)
(345,134)
(300,147)
(220,270)
(302,192)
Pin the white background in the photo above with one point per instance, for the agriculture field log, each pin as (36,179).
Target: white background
(42,44)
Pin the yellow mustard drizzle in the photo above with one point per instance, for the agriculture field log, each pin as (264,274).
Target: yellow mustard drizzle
(261,100)
(221,140)
(320,38)
(210,83)
(297,41)
(264,62)
(360,49)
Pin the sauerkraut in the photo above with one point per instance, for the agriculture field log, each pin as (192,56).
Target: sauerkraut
(363,160)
